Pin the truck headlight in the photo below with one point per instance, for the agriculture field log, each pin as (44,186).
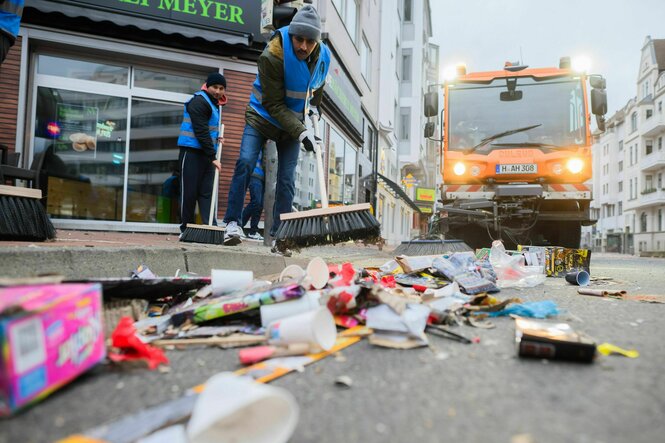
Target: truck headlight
(459,168)
(575,165)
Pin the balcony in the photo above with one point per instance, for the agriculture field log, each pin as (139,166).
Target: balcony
(651,197)
(653,161)
(653,125)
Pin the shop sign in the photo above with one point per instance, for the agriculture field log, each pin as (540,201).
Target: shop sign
(341,91)
(425,209)
(425,194)
(234,15)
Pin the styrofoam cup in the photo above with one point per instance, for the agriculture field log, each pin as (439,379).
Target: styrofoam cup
(233,408)
(317,273)
(314,327)
(277,311)
(292,272)
(227,280)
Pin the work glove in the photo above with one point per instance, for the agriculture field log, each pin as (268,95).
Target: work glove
(313,110)
(308,139)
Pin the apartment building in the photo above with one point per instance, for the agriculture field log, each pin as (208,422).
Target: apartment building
(629,166)
(409,63)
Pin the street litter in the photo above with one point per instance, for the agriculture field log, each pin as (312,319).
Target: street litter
(610,349)
(535,309)
(128,347)
(552,340)
(578,277)
(602,292)
(49,335)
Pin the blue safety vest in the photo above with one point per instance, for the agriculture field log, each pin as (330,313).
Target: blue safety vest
(187,137)
(10,16)
(299,83)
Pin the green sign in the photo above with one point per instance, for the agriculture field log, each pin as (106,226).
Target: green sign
(76,129)
(233,15)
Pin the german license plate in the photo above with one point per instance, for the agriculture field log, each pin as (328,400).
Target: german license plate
(520,168)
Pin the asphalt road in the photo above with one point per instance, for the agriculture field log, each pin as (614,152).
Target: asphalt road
(464,393)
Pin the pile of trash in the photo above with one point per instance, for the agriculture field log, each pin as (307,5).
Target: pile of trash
(281,323)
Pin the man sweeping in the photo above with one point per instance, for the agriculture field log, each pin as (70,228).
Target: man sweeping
(289,85)
(197,143)
(10,21)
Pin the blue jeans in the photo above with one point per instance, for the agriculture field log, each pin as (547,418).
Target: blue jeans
(287,160)
(254,208)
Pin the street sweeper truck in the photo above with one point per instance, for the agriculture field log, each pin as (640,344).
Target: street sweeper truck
(516,153)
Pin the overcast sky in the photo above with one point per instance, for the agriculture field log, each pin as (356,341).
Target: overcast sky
(486,33)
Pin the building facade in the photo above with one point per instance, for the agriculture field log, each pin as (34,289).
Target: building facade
(629,166)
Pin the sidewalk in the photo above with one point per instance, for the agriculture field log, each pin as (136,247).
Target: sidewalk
(92,254)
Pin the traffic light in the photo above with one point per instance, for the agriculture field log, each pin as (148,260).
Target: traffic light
(276,14)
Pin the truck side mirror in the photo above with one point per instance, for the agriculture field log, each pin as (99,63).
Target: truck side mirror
(431,104)
(600,122)
(598,82)
(598,102)
(429,129)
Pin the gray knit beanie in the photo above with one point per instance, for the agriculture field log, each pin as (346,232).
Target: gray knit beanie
(306,23)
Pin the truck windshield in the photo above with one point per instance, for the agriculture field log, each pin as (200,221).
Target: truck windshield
(554,109)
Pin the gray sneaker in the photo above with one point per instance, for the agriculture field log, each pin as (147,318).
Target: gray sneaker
(255,236)
(281,250)
(233,234)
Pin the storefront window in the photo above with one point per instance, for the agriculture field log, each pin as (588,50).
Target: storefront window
(349,174)
(153,185)
(82,70)
(161,81)
(336,167)
(81,140)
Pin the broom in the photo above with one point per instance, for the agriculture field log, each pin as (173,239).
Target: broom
(22,216)
(213,235)
(326,225)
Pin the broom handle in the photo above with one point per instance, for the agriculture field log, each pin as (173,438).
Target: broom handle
(319,162)
(218,156)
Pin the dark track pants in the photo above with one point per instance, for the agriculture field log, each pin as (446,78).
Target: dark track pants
(197,174)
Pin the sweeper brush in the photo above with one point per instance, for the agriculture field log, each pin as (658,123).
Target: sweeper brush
(327,225)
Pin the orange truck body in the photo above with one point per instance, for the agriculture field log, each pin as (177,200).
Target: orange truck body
(516,154)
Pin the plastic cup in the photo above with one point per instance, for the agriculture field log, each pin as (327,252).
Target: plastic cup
(317,273)
(292,272)
(579,278)
(314,327)
(226,280)
(278,311)
(233,408)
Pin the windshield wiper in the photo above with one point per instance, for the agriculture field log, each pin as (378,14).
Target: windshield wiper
(486,140)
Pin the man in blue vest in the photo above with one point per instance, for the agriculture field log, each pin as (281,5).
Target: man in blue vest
(289,85)
(198,145)
(10,19)
(253,210)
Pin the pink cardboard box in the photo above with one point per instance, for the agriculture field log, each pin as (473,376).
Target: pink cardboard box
(49,334)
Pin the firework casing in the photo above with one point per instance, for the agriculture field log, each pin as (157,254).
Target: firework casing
(49,335)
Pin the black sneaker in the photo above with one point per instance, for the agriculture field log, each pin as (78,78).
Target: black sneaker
(281,250)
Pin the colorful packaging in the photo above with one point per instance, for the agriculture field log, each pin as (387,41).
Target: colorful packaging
(49,334)
(559,261)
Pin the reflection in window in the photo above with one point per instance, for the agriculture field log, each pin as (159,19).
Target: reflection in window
(81,138)
(82,70)
(336,167)
(153,187)
(161,81)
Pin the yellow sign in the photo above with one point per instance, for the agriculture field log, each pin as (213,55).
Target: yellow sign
(425,194)
(425,209)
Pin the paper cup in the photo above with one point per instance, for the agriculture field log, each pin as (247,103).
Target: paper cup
(278,311)
(233,409)
(317,273)
(579,278)
(314,327)
(292,272)
(226,280)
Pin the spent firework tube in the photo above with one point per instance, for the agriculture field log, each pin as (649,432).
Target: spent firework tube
(245,302)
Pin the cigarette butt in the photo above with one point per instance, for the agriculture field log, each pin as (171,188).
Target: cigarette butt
(594,292)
